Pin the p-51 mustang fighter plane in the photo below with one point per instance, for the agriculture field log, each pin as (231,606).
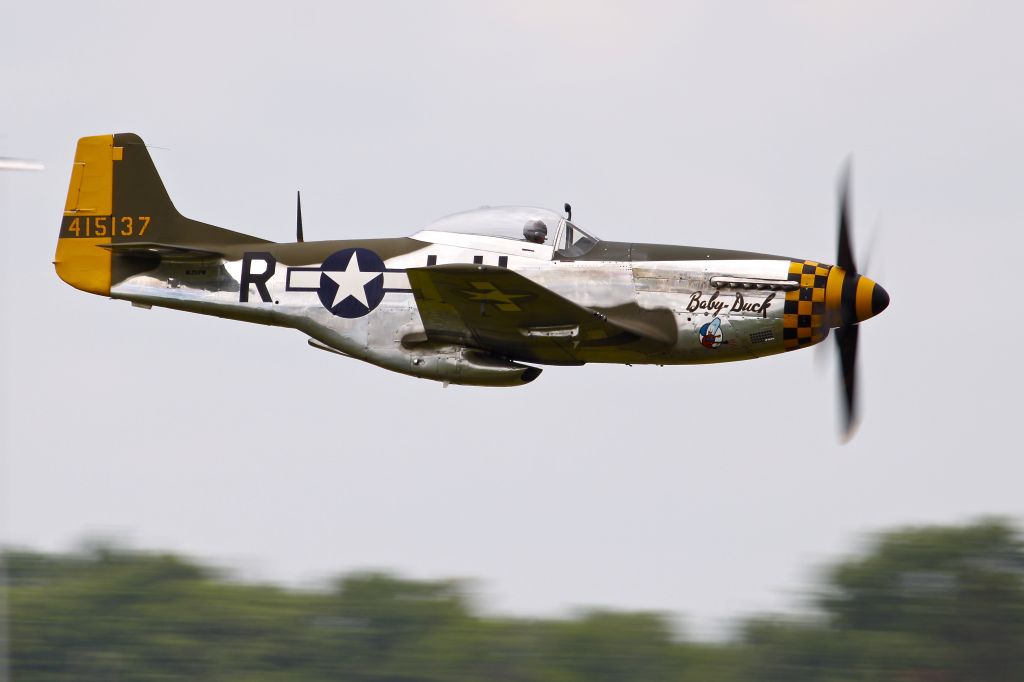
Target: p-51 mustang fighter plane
(476,298)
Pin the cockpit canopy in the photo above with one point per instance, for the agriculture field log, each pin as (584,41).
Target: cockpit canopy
(520,223)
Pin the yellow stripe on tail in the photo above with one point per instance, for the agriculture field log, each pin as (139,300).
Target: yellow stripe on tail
(80,260)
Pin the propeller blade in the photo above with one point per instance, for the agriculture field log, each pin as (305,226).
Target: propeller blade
(298,216)
(846,339)
(844,258)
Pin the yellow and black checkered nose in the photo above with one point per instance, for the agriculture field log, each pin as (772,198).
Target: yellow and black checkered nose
(851,298)
(804,322)
(826,296)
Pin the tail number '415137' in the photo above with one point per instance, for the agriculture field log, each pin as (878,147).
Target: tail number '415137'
(108,226)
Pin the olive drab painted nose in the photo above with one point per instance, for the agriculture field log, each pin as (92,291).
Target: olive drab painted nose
(851,298)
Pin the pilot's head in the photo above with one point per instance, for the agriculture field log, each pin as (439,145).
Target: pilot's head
(535,231)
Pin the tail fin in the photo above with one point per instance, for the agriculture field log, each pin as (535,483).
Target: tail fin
(116,203)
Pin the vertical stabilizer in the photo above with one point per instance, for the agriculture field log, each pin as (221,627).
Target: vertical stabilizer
(116,198)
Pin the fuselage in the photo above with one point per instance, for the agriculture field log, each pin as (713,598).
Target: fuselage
(702,305)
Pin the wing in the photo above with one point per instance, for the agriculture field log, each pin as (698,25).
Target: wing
(498,310)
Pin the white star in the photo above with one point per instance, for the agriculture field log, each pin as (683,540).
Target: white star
(351,281)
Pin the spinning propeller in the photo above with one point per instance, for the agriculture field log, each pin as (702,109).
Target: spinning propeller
(852,298)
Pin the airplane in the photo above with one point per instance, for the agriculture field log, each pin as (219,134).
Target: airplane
(478,298)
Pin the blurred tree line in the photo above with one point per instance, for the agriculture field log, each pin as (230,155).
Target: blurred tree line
(933,604)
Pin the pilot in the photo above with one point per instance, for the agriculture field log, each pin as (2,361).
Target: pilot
(535,231)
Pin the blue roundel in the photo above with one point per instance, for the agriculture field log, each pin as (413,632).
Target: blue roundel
(351,282)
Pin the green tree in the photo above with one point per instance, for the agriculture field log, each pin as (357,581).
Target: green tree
(936,604)
(960,587)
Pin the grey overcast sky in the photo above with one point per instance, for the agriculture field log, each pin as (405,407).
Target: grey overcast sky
(707,491)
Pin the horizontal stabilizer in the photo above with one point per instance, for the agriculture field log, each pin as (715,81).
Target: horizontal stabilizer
(162,251)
